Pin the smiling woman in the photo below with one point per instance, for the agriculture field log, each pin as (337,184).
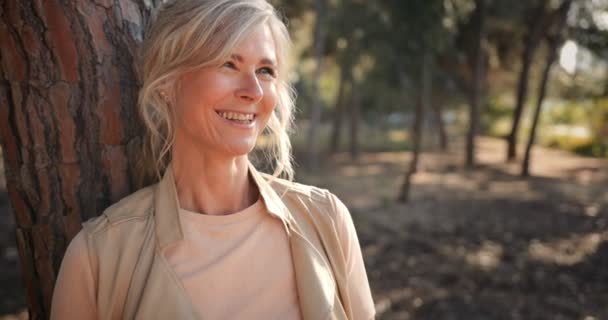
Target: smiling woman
(214,238)
(226,107)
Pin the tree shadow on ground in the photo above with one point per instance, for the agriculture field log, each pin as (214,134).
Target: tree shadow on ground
(480,244)
(489,254)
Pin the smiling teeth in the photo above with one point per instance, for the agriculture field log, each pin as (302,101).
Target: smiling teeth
(237,116)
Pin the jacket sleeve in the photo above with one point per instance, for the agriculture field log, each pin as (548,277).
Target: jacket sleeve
(362,303)
(74,293)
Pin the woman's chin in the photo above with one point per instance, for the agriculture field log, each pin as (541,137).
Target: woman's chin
(239,149)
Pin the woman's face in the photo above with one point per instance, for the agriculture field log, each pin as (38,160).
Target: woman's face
(224,108)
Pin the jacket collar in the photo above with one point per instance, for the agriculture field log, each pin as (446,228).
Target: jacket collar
(168,226)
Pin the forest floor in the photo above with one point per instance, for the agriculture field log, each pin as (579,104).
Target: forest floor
(481,244)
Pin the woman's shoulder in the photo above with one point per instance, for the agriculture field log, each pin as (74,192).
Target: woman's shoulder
(311,196)
(295,189)
(132,208)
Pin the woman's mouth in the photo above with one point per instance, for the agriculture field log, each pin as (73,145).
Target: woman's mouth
(237,117)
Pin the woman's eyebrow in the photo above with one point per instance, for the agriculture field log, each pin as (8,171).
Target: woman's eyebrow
(265,61)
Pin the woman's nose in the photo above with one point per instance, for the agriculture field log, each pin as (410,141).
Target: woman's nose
(250,89)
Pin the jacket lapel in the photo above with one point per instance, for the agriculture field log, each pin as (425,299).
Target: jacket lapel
(314,281)
(153,283)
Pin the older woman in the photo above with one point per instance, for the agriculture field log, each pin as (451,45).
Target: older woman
(215,238)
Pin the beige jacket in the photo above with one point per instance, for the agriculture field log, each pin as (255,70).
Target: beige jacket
(134,280)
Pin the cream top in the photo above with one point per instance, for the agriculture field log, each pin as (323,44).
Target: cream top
(236,266)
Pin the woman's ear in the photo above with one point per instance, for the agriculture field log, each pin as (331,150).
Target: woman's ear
(165,91)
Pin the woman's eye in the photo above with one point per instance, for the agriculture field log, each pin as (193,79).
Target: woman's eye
(229,64)
(267,70)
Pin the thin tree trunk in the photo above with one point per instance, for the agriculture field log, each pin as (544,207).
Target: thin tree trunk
(338,115)
(68,122)
(477,85)
(541,96)
(315,115)
(355,116)
(522,92)
(441,131)
(404,193)
(554,42)
(532,39)
(423,100)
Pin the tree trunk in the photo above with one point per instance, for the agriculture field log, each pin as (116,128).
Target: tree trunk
(522,92)
(532,39)
(315,114)
(338,116)
(68,123)
(423,100)
(541,96)
(477,86)
(355,116)
(554,42)
(441,131)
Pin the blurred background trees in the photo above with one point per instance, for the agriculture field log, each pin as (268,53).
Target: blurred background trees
(485,58)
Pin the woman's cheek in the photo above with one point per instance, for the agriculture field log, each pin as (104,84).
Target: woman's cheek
(271,97)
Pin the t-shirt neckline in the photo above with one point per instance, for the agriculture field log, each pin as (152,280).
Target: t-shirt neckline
(254,210)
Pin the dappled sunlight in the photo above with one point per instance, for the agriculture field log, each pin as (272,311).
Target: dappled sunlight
(546,162)
(384,157)
(478,185)
(357,171)
(509,187)
(486,257)
(446,180)
(566,251)
(397,135)
(407,295)
(592,210)
(465,240)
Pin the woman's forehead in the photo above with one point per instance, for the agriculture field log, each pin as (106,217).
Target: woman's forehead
(258,46)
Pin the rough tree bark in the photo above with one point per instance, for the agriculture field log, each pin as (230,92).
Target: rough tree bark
(535,31)
(68,122)
(554,41)
(423,101)
(477,85)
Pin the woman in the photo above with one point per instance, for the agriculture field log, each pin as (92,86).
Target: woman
(215,238)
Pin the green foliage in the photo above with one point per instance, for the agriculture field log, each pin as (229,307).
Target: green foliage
(598,116)
(497,107)
(569,113)
(380,44)
(496,116)
(577,126)
(570,143)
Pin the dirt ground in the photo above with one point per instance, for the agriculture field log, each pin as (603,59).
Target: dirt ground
(483,244)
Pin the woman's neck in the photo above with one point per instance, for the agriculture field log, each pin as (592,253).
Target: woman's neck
(213,186)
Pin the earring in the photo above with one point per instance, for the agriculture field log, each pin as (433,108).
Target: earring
(164,95)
